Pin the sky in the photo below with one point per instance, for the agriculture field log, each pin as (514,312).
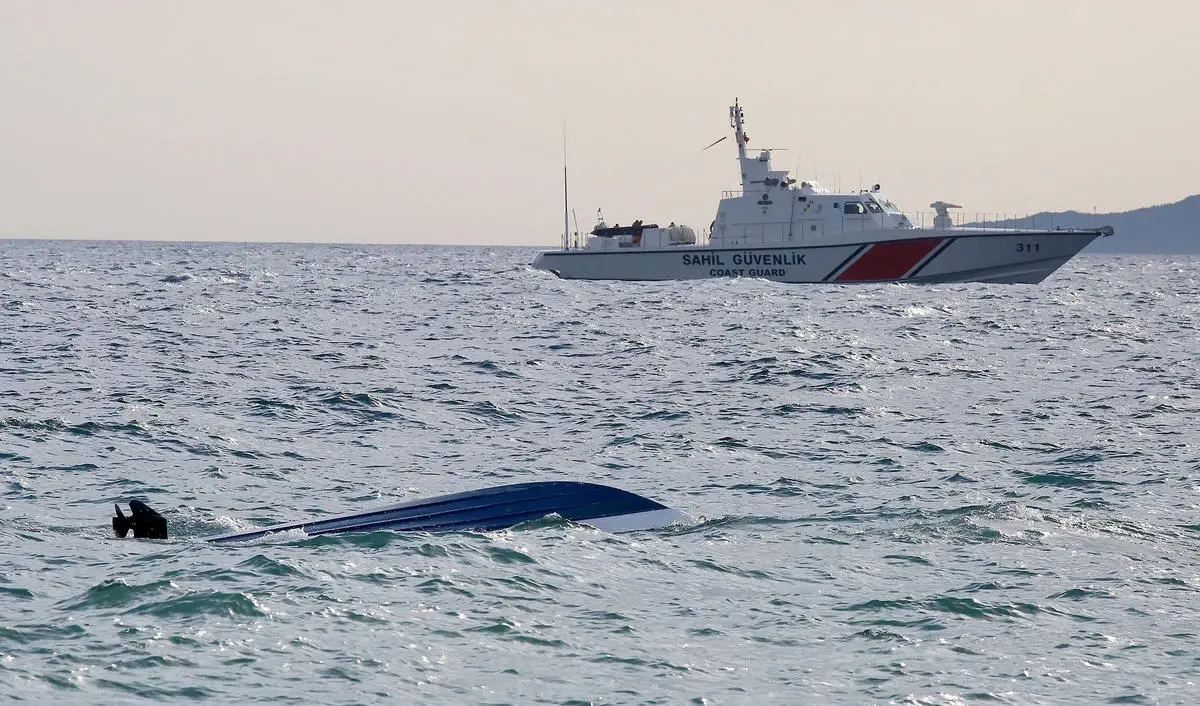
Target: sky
(388,121)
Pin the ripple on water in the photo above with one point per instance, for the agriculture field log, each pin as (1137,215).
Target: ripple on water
(938,494)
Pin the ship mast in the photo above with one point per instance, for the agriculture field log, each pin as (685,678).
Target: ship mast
(735,122)
(739,134)
(566,241)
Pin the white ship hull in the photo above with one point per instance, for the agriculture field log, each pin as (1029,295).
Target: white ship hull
(916,255)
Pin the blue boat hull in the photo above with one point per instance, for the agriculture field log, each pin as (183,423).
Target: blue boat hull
(607,508)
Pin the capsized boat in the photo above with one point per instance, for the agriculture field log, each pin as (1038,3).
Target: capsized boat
(487,509)
(778,229)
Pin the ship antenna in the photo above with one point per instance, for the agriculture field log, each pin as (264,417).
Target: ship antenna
(566,210)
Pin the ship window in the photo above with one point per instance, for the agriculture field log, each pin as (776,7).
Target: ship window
(835,204)
(813,228)
(874,207)
(854,208)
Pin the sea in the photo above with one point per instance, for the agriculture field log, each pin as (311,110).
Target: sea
(934,494)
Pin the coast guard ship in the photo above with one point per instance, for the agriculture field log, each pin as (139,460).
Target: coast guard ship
(778,229)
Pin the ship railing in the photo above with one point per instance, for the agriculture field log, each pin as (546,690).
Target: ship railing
(579,241)
(1004,221)
(731,194)
(917,219)
(752,238)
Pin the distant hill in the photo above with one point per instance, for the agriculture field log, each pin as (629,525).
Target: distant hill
(1169,229)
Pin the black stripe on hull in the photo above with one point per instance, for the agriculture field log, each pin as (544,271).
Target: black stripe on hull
(846,263)
(932,256)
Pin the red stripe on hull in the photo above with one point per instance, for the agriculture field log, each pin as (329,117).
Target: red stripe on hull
(888,261)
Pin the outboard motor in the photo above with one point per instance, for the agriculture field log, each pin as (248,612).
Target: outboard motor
(144,521)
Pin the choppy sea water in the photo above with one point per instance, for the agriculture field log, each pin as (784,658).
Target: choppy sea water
(936,494)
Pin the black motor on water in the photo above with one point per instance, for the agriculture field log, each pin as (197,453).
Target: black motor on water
(145,522)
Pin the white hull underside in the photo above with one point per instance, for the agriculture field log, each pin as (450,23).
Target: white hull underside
(928,256)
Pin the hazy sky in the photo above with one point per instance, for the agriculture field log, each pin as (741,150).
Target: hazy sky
(441,122)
